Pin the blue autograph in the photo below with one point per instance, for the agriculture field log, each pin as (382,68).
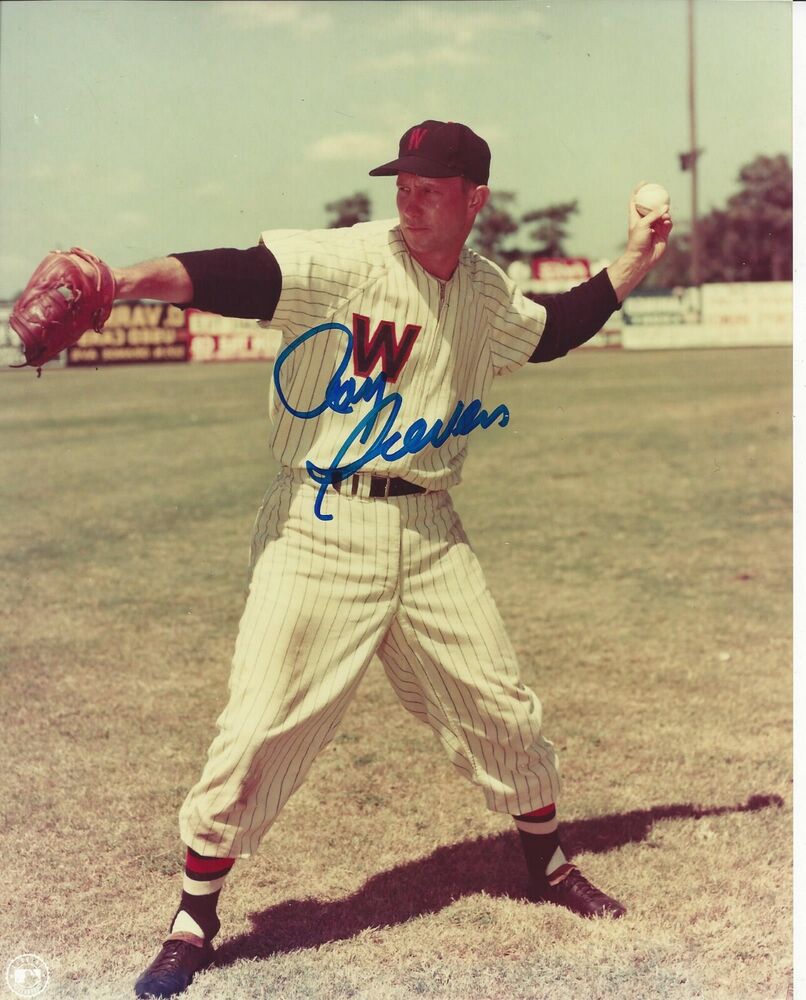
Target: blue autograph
(342,395)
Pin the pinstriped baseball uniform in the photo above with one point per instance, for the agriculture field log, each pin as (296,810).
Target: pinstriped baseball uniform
(394,577)
(463,332)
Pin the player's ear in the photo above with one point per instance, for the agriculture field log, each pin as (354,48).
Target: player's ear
(478,198)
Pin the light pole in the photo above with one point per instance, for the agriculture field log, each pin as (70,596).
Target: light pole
(688,160)
(692,118)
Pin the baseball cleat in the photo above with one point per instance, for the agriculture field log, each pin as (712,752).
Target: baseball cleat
(577,894)
(172,971)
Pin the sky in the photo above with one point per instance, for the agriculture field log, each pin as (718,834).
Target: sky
(137,129)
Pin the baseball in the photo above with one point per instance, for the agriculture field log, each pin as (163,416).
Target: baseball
(649,197)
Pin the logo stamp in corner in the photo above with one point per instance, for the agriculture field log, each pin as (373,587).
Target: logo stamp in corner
(27,976)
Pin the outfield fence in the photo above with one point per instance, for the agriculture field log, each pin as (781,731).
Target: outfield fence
(751,314)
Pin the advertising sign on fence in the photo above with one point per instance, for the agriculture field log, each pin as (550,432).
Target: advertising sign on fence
(552,275)
(568,271)
(260,345)
(227,338)
(136,332)
(763,304)
(662,307)
(11,345)
(743,314)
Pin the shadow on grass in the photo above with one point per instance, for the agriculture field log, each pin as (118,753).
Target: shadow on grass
(488,864)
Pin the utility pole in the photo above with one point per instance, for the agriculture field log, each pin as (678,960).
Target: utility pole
(692,118)
(688,160)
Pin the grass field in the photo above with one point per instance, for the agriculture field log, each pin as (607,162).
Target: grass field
(634,521)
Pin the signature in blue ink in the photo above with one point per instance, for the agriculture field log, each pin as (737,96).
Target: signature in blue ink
(343,394)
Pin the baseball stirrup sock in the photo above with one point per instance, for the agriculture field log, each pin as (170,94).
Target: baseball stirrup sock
(201,886)
(541,845)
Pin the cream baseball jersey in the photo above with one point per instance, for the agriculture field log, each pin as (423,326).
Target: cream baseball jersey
(438,344)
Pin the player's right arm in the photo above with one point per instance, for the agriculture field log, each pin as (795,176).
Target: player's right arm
(230,282)
(165,279)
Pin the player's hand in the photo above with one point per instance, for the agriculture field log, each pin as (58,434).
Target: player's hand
(648,235)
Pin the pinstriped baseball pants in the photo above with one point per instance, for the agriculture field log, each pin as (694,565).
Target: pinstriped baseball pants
(396,578)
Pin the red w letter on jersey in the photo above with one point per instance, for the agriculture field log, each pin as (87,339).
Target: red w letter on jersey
(382,344)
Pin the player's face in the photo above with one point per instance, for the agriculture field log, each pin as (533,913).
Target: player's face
(436,213)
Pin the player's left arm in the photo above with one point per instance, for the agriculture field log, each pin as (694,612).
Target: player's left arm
(573,317)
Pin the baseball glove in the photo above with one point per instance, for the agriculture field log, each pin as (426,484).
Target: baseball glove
(70,292)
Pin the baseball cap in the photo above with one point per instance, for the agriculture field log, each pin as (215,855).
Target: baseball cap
(440,149)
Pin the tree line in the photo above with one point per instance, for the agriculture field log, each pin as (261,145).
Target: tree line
(749,239)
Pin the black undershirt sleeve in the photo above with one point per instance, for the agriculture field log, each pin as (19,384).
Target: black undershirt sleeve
(574,317)
(247,284)
(243,283)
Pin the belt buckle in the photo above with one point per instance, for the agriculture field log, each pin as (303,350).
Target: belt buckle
(382,483)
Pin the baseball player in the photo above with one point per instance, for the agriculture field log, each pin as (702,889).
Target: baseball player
(392,334)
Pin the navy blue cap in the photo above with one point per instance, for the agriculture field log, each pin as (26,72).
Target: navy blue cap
(440,149)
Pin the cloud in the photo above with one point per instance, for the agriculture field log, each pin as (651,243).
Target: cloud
(126,181)
(305,18)
(456,35)
(51,170)
(468,25)
(122,181)
(14,262)
(441,55)
(130,219)
(350,146)
(206,190)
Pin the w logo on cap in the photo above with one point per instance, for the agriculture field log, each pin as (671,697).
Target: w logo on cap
(416,136)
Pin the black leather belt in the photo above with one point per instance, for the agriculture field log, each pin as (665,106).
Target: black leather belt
(379,486)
